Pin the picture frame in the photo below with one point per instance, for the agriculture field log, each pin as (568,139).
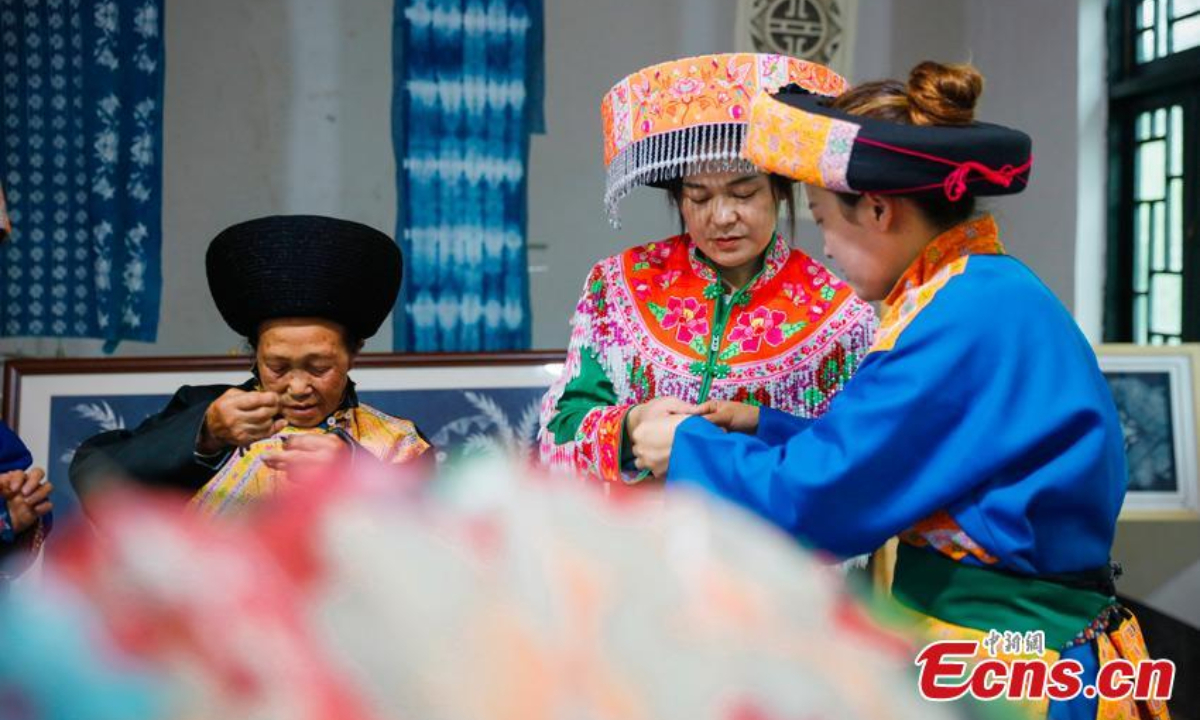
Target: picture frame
(1157,393)
(461,402)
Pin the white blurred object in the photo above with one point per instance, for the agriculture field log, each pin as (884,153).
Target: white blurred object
(513,599)
(493,594)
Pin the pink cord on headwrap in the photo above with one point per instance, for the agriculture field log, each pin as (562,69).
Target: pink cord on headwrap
(955,184)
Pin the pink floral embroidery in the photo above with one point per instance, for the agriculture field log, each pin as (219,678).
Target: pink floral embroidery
(654,253)
(796,293)
(641,289)
(646,101)
(689,316)
(737,76)
(667,279)
(645,95)
(754,327)
(686,89)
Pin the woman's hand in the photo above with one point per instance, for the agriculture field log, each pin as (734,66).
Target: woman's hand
(239,418)
(656,409)
(652,441)
(308,455)
(731,416)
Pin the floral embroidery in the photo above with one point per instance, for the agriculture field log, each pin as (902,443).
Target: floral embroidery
(599,441)
(807,147)
(651,332)
(757,325)
(593,297)
(642,377)
(667,279)
(700,90)
(650,254)
(689,315)
(836,369)
(795,292)
(758,396)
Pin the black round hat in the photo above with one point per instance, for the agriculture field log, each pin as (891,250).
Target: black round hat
(304,266)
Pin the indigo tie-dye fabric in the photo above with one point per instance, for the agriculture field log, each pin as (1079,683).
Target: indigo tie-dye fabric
(468,95)
(82,168)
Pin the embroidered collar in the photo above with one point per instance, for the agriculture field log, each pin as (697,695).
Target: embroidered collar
(974,237)
(774,258)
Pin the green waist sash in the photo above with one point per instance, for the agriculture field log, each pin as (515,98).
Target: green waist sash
(989,599)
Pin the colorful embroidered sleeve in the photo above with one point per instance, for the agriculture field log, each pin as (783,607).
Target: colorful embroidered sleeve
(979,418)
(582,415)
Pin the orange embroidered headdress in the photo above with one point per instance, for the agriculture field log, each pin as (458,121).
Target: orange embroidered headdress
(690,115)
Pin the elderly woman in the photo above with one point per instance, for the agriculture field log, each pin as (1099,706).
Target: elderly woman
(726,310)
(305,291)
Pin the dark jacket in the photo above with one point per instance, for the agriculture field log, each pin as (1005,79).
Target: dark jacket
(161,452)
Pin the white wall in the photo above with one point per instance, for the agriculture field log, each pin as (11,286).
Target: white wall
(1025,87)
(271,106)
(290,112)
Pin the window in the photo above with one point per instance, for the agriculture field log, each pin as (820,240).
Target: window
(1153,289)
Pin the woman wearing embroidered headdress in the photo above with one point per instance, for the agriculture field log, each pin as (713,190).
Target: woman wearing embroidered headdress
(979,427)
(725,310)
(305,291)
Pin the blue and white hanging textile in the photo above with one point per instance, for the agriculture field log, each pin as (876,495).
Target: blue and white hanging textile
(82,168)
(468,95)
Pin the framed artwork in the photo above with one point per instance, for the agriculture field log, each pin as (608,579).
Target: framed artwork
(461,402)
(1157,392)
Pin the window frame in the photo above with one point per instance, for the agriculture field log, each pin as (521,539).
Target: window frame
(1135,88)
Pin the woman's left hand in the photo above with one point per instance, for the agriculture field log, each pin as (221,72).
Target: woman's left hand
(651,443)
(306,455)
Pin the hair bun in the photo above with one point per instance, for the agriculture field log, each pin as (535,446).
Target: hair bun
(943,94)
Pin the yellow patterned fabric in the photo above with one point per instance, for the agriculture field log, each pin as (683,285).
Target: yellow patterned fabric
(245,479)
(944,257)
(813,149)
(1127,642)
